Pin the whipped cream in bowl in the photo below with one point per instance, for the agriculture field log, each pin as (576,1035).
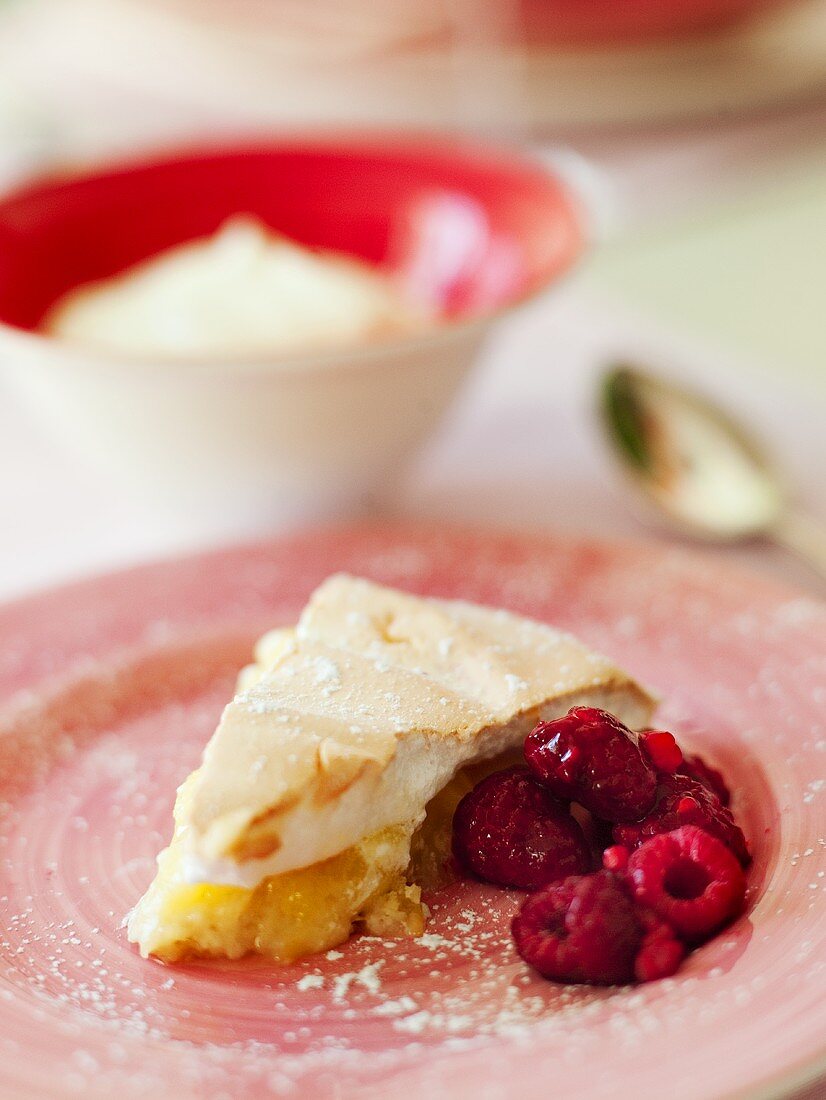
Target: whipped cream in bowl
(245,290)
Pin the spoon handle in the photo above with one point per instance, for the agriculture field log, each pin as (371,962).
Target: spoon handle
(805,536)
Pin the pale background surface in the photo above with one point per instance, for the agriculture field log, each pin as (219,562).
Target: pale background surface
(748,274)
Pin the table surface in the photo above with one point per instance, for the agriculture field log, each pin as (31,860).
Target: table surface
(522,447)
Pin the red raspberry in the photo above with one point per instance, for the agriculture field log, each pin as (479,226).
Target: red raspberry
(589,929)
(690,879)
(591,758)
(696,768)
(584,929)
(615,859)
(662,750)
(511,831)
(684,801)
(661,952)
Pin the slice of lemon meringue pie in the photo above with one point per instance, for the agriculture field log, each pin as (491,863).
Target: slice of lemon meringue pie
(348,745)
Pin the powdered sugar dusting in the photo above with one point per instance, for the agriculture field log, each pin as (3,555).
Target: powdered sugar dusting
(367,977)
(310,981)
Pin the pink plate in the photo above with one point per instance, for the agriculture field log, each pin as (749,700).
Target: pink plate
(111,688)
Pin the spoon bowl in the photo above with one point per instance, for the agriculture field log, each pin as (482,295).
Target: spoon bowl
(701,469)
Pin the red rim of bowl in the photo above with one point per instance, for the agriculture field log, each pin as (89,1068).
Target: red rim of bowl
(544,194)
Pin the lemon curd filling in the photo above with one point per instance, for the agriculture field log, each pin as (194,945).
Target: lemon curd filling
(302,912)
(286,916)
(290,915)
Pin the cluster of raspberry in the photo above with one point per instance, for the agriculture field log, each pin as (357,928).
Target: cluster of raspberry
(656,824)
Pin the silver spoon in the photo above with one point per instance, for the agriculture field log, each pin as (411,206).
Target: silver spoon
(700,467)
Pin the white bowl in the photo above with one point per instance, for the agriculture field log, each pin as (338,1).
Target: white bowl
(244,446)
(254,445)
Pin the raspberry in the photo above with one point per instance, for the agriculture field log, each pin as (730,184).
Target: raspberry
(584,929)
(690,879)
(683,801)
(511,831)
(591,758)
(662,750)
(615,859)
(696,768)
(661,952)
